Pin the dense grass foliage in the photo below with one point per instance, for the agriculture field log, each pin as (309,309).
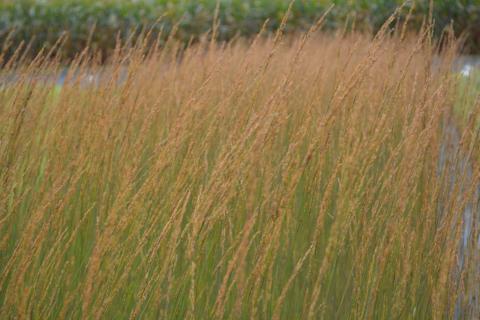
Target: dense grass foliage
(297,180)
(43,22)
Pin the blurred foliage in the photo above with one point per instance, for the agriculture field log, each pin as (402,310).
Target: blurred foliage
(42,22)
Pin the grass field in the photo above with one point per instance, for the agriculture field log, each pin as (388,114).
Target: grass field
(281,179)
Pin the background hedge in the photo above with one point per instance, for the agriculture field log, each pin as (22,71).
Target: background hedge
(42,22)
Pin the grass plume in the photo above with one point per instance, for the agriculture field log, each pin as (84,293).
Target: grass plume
(281,179)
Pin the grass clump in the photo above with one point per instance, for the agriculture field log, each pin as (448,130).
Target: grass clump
(280,179)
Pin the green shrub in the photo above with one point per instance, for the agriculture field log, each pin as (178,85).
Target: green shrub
(43,22)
